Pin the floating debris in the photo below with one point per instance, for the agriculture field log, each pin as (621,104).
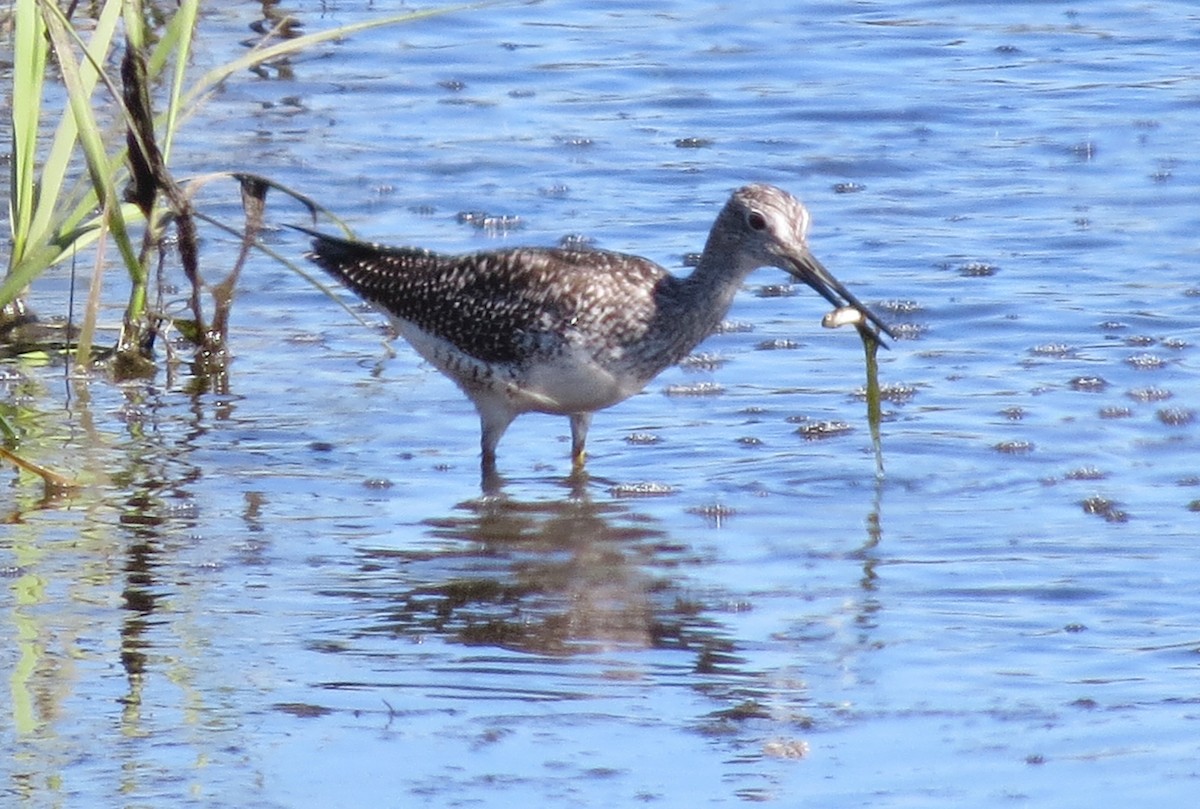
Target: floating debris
(693,143)
(785,748)
(703,361)
(698,389)
(977,269)
(894,392)
(781,343)
(1016,447)
(305,339)
(1084,151)
(1110,510)
(715,513)
(908,331)
(1146,362)
(492,223)
(1151,394)
(1056,350)
(576,241)
(1086,473)
(302,710)
(642,439)
(1115,412)
(645,489)
(734,327)
(1089,384)
(900,306)
(848,188)
(776,291)
(819,430)
(1176,416)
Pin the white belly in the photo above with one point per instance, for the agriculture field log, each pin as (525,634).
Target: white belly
(569,382)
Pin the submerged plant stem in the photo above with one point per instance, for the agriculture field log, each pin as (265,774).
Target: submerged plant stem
(874,405)
(54,482)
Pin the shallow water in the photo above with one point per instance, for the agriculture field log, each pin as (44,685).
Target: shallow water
(293,594)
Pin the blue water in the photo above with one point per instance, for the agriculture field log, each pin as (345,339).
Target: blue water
(293,593)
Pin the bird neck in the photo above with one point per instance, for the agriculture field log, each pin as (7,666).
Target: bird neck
(692,307)
(719,274)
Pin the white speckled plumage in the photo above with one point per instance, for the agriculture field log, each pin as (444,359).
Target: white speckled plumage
(570,332)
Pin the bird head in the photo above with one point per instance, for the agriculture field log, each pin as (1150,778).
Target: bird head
(770,227)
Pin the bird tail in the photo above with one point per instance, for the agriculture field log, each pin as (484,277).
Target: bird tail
(336,255)
(373,271)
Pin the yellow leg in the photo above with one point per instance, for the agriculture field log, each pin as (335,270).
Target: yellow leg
(579,429)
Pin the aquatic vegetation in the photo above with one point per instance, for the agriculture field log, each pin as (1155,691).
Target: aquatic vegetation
(88,190)
(78,190)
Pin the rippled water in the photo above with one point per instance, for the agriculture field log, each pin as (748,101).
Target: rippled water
(293,594)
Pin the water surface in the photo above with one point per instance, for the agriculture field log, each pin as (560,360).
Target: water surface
(293,593)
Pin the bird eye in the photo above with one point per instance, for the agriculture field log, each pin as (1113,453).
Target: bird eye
(756,221)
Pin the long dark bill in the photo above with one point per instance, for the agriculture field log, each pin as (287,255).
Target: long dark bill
(805,267)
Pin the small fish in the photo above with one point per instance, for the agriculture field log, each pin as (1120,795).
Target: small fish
(843,316)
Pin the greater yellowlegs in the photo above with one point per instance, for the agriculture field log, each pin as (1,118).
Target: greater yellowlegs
(573,331)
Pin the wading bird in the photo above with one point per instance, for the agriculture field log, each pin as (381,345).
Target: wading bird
(573,331)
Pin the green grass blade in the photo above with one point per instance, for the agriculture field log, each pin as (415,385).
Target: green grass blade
(90,138)
(177,41)
(41,235)
(55,249)
(58,158)
(28,73)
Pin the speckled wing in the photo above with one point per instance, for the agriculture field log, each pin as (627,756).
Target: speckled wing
(505,306)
